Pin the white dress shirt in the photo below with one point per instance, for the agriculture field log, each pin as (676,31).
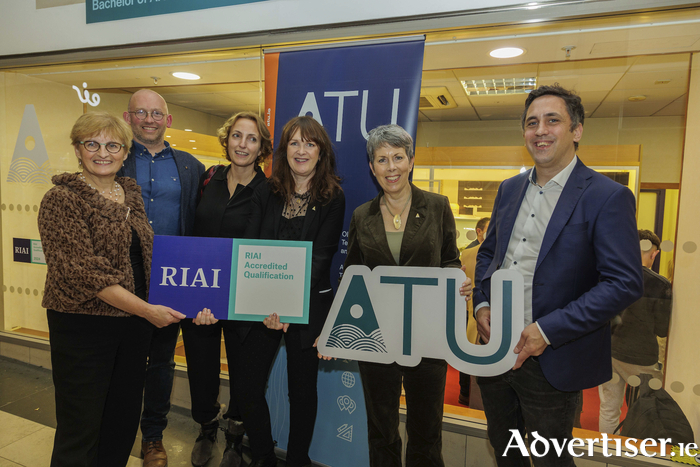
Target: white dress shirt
(529,229)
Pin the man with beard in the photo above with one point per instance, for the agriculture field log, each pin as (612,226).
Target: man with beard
(168,179)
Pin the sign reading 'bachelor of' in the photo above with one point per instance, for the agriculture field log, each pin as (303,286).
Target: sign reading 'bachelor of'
(237,279)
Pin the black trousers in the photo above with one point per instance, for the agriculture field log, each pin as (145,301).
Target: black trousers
(99,367)
(250,372)
(524,400)
(425,395)
(203,351)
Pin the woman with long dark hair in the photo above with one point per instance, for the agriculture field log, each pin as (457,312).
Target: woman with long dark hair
(302,201)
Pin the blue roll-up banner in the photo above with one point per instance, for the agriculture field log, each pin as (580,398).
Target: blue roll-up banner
(349,90)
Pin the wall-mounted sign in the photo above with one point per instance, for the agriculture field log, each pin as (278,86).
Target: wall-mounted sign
(237,279)
(97,11)
(94,101)
(30,161)
(25,250)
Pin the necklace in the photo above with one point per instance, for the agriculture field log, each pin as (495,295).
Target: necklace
(113,193)
(301,197)
(397,217)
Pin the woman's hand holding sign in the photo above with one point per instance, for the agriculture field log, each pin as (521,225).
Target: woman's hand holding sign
(205,317)
(273,322)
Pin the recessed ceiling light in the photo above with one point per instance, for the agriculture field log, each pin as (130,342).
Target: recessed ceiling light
(507,52)
(194,148)
(183,75)
(192,141)
(638,98)
(187,129)
(173,144)
(167,136)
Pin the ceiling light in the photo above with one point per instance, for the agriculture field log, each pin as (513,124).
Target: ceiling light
(194,148)
(638,98)
(192,141)
(499,86)
(173,144)
(507,52)
(183,75)
(187,129)
(167,136)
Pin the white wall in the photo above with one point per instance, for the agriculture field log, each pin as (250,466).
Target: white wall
(683,370)
(25,29)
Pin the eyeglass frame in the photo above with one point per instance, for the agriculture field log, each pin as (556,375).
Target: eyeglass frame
(135,112)
(83,144)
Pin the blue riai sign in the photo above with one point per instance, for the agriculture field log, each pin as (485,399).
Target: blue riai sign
(97,11)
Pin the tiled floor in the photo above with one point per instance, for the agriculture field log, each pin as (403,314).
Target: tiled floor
(27,422)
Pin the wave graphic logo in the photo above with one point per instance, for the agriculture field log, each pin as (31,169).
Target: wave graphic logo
(30,161)
(356,326)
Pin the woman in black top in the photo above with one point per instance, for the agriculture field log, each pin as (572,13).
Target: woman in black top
(301,201)
(223,210)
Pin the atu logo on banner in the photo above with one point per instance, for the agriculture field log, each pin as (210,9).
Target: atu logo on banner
(402,314)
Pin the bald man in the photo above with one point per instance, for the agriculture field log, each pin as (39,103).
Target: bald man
(168,179)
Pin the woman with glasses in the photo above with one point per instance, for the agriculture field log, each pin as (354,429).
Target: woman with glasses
(98,244)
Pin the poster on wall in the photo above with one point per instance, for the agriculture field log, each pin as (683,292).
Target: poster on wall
(97,11)
(350,89)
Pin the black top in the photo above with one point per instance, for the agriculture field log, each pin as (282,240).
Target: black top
(136,255)
(634,336)
(218,213)
(322,225)
(290,229)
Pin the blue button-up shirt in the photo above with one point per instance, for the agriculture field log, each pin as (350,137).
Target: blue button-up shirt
(160,187)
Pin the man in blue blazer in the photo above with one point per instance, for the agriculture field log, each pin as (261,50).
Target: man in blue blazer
(169,180)
(571,232)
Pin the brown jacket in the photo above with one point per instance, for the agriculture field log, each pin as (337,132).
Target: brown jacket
(429,240)
(86,241)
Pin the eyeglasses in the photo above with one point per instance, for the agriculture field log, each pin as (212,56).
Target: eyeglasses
(94,146)
(143,115)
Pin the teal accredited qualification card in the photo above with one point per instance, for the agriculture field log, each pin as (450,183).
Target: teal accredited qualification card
(270,276)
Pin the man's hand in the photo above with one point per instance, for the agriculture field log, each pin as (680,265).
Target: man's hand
(531,343)
(483,323)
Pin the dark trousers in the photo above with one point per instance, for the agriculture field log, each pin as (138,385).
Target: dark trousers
(425,395)
(99,366)
(159,381)
(250,372)
(203,351)
(524,400)
(464,384)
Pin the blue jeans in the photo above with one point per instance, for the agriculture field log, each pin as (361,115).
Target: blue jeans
(159,382)
(524,400)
